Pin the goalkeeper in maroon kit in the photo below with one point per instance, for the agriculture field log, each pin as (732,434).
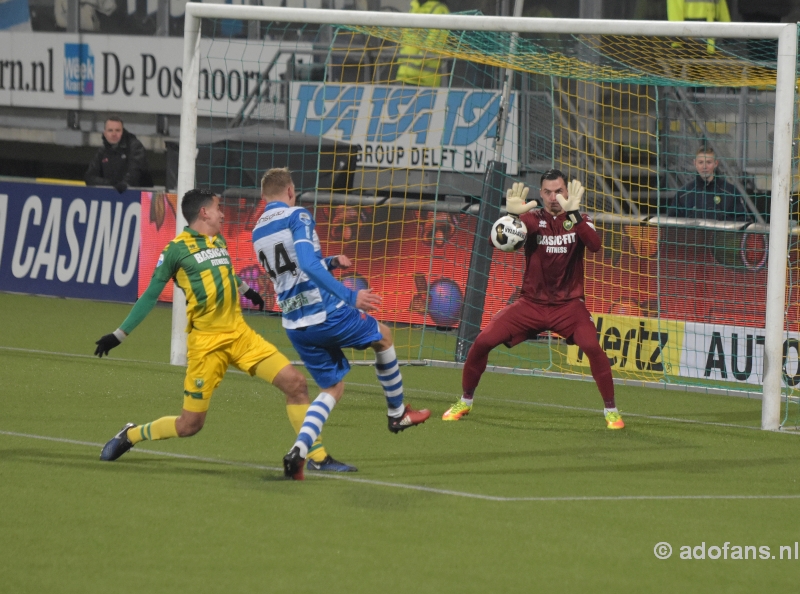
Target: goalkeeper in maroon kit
(552,289)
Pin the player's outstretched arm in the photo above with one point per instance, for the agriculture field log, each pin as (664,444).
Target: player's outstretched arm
(310,263)
(572,203)
(366,300)
(515,200)
(139,312)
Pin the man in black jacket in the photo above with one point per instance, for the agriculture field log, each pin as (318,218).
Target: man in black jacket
(121,162)
(708,196)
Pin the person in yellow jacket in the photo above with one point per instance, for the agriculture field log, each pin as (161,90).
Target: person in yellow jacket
(415,67)
(699,10)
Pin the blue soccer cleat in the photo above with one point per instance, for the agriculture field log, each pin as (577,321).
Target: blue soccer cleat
(117,445)
(329,464)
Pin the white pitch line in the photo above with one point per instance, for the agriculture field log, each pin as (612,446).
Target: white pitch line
(445,394)
(464,494)
(590,410)
(78,355)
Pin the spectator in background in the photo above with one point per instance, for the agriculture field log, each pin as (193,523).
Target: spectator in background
(708,196)
(699,10)
(89,11)
(415,67)
(121,162)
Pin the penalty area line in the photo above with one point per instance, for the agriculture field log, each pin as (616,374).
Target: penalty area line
(410,487)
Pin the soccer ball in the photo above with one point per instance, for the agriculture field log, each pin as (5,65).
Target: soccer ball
(509,234)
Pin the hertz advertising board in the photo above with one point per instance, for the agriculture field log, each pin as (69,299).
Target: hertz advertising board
(689,349)
(636,344)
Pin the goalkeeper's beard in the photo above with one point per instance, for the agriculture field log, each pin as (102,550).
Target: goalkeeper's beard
(553,209)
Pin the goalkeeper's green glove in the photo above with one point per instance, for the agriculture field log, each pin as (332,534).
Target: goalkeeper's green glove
(108,342)
(515,200)
(572,204)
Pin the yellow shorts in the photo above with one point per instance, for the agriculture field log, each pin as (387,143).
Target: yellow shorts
(209,355)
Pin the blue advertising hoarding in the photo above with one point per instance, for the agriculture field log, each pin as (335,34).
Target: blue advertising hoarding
(69,241)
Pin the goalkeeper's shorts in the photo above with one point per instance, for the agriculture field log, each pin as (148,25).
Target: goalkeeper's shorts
(524,320)
(210,354)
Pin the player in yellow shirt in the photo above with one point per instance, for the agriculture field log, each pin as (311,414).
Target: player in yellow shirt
(199,262)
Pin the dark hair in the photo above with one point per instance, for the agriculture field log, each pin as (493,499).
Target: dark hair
(193,201)
(113,118)
(552,174)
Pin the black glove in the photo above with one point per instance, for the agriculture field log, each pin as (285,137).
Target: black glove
(105,344)
(252,296)
(120,187)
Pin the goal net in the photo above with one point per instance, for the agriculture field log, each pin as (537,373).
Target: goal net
(403,140)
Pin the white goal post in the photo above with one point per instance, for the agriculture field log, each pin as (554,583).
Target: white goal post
(786,34)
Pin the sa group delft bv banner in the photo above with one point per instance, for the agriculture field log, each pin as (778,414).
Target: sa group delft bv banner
(408,127)
(141,74)
(69,241)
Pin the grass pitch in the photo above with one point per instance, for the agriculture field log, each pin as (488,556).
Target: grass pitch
(529,493)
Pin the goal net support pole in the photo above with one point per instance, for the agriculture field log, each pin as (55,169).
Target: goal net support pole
(186,166)
(784,121)
(779,228)
(481,260)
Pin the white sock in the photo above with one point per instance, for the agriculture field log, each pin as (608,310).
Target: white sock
(388,372)
(608,410)
(397,412)
(315,418)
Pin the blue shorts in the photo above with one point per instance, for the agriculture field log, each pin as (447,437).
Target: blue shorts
(320,346)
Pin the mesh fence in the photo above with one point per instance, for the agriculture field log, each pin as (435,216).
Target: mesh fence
(672,137)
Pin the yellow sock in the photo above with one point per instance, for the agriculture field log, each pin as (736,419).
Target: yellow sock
(317,451)
(297,414)
(163,428)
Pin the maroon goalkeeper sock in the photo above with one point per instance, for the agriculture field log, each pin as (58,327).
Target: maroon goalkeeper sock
(474,367)
(586,339)
(605,383)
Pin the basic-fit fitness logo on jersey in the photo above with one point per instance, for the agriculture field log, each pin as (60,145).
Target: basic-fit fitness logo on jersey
(218,256)
(78,69)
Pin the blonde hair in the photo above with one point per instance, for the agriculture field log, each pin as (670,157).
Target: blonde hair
(275,181)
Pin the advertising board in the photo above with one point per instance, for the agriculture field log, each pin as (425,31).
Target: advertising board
(137,74)
(69,241)
(409,127)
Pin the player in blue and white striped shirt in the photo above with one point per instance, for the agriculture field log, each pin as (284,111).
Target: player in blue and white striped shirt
(321,315)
